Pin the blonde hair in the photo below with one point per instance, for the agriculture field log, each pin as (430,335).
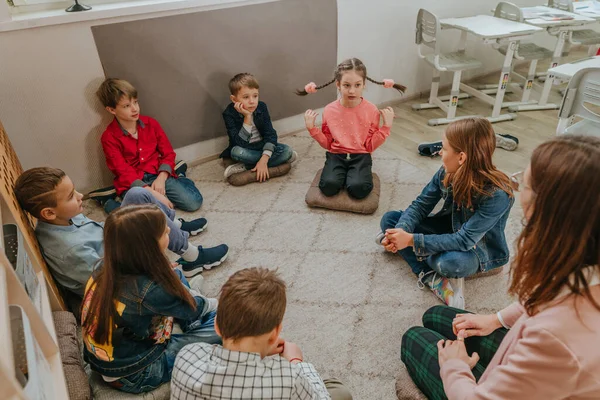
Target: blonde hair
(112,90)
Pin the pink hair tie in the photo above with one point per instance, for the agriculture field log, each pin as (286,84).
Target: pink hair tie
(388,83)
(310,88)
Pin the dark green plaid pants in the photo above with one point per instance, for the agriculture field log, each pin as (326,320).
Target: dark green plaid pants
(420,354)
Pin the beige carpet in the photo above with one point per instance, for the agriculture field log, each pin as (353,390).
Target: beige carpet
(348,301)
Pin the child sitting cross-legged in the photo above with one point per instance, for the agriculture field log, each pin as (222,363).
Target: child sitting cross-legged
(133,301)
(252,138)
(253,362)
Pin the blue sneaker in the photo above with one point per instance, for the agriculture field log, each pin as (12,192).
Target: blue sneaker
(207,258)
(430,149)
(194,226)
(110,205)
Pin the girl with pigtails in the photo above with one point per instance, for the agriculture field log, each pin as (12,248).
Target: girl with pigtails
(350,131)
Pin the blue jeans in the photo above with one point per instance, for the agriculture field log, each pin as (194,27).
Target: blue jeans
(281,154)
(451,264)
(159,372)
(178,239)
(182,192)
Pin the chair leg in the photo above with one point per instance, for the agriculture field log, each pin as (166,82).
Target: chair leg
(529,81)
(433,94)
(454,92)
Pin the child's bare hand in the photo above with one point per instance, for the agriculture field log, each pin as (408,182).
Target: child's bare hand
(262,171)
(475,324)
(277,347)
(291,351)
(310,117)
(388,246)
(388,116)
(239,107)
(399,238)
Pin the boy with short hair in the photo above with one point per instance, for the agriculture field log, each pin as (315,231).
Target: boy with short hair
(252,139)
(73,244)
(138,151)
(249,320)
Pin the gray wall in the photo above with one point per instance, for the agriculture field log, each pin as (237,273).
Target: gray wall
(181,64)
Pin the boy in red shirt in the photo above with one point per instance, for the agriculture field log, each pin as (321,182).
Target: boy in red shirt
(138,151)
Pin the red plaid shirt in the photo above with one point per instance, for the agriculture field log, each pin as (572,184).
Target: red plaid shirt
(130,158)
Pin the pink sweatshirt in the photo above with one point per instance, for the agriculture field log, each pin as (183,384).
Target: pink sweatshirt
(551,355)
(350,130)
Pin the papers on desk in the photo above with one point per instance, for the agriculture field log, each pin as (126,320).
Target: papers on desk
(543,14)
(587,8)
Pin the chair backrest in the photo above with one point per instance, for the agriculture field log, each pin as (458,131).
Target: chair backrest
(510,11)
(565,5)
(428,27)
(582,97)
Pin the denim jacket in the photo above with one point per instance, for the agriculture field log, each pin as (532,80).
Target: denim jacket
(480,228)
(142,330)
(234,123)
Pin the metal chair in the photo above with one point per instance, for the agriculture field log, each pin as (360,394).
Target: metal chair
(582,99)
(428,30)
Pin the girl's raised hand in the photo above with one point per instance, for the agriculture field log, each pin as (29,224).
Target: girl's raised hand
(310,117)
(388,116)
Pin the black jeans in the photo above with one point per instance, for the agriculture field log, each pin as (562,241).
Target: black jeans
(352,171)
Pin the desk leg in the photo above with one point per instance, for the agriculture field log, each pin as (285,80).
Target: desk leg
(543,103)
(502,84)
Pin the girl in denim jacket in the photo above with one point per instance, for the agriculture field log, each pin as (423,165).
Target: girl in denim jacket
(467,235)
(132,303)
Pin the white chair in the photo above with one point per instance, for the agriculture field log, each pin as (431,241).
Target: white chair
(583,37)
(524,52)
(582,99)
(428,30)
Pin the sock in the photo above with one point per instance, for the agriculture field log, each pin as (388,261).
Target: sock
(191,254)
(177,223)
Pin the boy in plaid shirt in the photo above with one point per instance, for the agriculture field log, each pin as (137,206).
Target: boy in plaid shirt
(254,362)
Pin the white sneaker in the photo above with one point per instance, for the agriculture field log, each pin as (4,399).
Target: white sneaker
(379,238)
(450,291)
(197,283)
(234,169)
(293,158)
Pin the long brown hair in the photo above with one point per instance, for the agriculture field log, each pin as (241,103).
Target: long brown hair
(562,235)
(478,176)
(351,64)
(131,248)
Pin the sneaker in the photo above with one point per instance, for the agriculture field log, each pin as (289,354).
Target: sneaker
(506,142)
(197,283)
(379,238)
(431,149)
(194,226)
(181,169)
(207,258)
(110,205)
(234,169)
(450,291)
(293,158)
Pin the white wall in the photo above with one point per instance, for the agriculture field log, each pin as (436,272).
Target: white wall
(48,77)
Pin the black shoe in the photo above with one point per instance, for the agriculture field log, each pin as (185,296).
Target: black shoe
(103,195)
(194,226)
(207,258)
(431,149)
(506,142)
(181,168)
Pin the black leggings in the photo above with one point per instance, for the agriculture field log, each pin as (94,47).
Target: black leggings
(350,171)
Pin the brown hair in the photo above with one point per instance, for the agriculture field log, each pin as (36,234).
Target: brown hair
(35,189)
(351,64)
(131,248)
(252,302)
(562,235)
(242,80)
(476,138)
(112,89)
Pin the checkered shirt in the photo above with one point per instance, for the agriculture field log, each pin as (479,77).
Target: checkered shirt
(204,371)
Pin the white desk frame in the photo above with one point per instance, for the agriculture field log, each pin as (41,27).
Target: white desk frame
(565,72)
(492,30)
(560,29)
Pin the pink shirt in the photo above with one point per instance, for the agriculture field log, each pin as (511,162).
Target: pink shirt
(551,355)
(350,130)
